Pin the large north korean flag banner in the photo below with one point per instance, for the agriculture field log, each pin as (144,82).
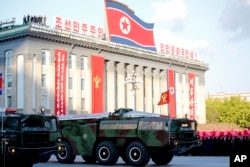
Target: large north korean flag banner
(126,28)
(60,81)
(97,81)
(191,81)
(171,89)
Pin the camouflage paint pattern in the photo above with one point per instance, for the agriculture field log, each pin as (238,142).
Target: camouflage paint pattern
(153,131)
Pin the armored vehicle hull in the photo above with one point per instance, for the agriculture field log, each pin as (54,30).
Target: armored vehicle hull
(134,136)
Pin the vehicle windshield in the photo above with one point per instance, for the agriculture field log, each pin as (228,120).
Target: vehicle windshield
(37,121)
(10,123)
(183,124)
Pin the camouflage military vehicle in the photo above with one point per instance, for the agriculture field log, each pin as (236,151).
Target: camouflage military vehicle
(25,139)
(132,135)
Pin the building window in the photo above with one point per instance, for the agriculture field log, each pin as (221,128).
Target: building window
(9,101)
(9,55)
(71,103)
(70,83)
(70,62)
(44,101)
(9,80)
(43,58)
(82,63)
(82,84)
(83,107)
(44,78)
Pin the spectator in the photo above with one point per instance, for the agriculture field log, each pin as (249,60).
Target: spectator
(28,18)
(24,20)
(39,19)
(44,20)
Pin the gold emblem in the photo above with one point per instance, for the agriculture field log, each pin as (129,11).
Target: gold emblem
(97,80)
(164,97)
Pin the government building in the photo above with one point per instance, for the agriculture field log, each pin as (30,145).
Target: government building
(66,72)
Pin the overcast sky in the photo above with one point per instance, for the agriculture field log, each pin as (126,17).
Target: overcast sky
(218,30)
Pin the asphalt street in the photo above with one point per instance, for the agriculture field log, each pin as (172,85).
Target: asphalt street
(178,161)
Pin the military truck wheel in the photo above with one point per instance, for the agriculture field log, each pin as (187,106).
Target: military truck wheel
(89,159)
(137,154)
(106,153)
(67,156)
(162,158)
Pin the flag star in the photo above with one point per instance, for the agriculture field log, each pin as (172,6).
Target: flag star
(125,25)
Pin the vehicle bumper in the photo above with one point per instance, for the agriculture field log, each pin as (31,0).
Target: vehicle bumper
(181,147)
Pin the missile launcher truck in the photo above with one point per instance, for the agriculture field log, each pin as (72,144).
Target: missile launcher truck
(25,139)
(134,136)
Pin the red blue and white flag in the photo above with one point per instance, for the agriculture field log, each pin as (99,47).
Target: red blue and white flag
(125,27)
(1,83)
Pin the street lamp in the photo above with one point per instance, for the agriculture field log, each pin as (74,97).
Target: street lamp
(133,80)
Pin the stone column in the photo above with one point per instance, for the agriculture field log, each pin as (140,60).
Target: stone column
(130,100)
(110,92)
(120,70)
(148,90)
(178,96)
(139,102)
(156,90)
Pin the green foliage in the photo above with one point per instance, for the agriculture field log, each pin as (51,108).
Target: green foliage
(233,110)
(212,110)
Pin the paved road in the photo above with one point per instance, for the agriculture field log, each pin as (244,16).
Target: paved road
(178,161)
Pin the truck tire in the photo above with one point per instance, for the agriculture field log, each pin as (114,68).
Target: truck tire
(106,153)
(67,156)
(137,154)
(162,158)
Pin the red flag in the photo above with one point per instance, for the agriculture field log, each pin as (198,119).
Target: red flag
(126,28)
(164,98)
(172,96)
(97,81)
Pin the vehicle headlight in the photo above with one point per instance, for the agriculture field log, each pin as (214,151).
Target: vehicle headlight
(176,143)
(12,150)
(59,140)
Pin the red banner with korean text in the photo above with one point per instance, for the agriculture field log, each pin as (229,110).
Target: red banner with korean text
(191,81)
(60,81)
(97,82)
(171,89)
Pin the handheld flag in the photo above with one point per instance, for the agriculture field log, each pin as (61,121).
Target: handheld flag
(164,98)
(125,27)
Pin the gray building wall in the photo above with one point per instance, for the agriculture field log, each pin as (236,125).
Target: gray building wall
(31,41)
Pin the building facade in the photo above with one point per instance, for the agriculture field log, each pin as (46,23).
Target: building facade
(222,95)
(41,66)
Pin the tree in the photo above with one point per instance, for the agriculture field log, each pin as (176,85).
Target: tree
(212,109)
(233,110)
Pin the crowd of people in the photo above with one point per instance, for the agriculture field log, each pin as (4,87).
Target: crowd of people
(34,19)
